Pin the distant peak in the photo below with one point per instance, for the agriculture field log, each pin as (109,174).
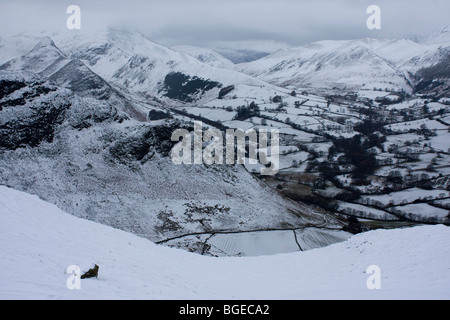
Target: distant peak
(45,42)
(441,36)
(444,30)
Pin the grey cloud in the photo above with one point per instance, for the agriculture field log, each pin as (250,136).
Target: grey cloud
(199,22)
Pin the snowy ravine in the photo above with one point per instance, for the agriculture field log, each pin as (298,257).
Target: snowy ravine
(38,242)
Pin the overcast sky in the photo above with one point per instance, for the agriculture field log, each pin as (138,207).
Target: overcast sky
(210,23)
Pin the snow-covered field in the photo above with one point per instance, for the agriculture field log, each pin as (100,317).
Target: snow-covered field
(428,213)
(38,242)
(403,197)
(417,124)
(361,211)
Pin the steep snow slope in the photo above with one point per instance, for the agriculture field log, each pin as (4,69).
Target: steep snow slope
(398,52)
(38,242)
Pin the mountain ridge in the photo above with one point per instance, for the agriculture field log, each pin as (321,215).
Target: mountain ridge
(318,63)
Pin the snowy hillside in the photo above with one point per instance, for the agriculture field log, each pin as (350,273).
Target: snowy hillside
(38,242)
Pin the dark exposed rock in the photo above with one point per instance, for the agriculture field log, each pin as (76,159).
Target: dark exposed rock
(92,273)
(142,145)
(30,120)
(35,90)
(36,127)
(7,87)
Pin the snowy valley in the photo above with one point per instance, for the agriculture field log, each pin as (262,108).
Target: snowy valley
(86,176)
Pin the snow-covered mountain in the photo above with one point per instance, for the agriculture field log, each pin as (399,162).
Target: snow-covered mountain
(48,62)
(207,56)
(38,242)
(332,64)
(353,64)
(128,61)
(137,65)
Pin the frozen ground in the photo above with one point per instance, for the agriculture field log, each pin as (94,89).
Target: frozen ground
(38,242)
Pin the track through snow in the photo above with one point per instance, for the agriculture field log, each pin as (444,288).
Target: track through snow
(38,242)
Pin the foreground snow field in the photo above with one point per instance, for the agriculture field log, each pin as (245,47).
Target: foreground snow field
(38,242)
